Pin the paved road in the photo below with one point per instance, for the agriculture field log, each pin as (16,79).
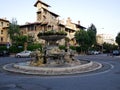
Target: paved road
(107,78)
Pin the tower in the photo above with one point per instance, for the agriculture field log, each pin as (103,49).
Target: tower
(44,16)
(40,12)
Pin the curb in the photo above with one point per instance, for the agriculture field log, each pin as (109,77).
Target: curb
(53,71)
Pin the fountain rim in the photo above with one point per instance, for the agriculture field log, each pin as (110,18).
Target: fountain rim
(51,71)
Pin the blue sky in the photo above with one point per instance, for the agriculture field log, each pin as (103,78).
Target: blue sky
(104,14)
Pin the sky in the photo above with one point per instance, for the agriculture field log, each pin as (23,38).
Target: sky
(104,14)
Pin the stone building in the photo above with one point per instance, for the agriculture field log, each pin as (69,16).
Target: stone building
(4,39)
(48,20)
(105,38)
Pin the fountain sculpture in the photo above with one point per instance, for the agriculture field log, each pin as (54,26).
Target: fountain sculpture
(51,52)
(53,61)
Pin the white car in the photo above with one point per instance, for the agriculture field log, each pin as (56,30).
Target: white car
(24,54)
(95,52)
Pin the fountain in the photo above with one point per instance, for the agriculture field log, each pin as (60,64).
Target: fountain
(52,55)
(53,61)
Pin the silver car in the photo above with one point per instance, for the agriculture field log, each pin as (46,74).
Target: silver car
(24,54)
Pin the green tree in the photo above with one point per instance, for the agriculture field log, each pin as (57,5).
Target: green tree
(92,37)
(13,29)
(86,39)
(118,39)
(92,31)
(93,28)
(109,47)
(20,40)
(82,39)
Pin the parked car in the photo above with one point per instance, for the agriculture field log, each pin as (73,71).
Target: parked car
(93,52)
(24,54)
(4,53)
(116,52)
(96,53)
(90,52)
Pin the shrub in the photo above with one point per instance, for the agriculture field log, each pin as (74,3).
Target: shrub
(15,49)
(33,47)
(73,47)
(62,47)
(3,48)
(78,49)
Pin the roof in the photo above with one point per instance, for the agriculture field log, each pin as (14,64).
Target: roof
(29,24)
(79,26)
(51,12)
(62,25)
(39,1)
(69,28)
(4,20)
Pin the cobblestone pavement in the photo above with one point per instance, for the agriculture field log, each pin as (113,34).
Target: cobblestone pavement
(107,78)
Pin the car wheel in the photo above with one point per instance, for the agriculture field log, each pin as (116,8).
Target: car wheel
(18,56)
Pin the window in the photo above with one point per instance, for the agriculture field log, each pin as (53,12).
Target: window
(1,39)
(1,31)
(7,24)
(32,28)
(2,24)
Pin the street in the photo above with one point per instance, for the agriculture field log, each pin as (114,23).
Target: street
(107,78)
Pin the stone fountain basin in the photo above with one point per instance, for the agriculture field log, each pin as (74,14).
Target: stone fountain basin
(67,69)
(52,37)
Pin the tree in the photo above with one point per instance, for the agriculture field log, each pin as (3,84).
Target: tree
(82,39)
(20,40)
(92,31)
(92,37)
(118,39)
(93,28)
(86,39)
(13,29)
(109,47)
(15,36)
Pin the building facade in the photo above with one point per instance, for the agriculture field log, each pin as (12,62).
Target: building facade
(47,20)
(4,39)
(105,38)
